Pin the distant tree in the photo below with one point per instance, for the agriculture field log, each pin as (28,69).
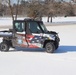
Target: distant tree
(32,10)
(71,10)
(74,1)
(10,4)
(1,8)
(35,10)
(68,9)
(24,7)
(50,9)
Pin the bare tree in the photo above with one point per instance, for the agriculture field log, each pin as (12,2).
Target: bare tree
(32,10)
(49,7)
(10,4)
(35,10)
(68,9)
(74,1)
(1,8)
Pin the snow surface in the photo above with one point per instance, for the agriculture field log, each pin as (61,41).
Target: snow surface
(37,62)
(61,19)
(5,21)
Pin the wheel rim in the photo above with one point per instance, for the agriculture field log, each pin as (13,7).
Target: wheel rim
(49,47)
(3,47)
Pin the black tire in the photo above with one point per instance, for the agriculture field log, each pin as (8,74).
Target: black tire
(4,47)
(56,46)
(50,47)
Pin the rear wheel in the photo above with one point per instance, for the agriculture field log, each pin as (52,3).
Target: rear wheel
(50,47)
(4,46)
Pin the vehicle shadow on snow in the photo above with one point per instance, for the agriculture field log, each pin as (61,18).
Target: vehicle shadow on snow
(61,49)
(64,49)
(28,50)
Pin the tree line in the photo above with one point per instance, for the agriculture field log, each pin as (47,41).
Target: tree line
(37,9)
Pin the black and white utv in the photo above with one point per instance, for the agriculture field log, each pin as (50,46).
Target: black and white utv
(29,33)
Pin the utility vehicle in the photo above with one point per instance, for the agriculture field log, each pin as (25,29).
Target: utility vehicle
(29,33)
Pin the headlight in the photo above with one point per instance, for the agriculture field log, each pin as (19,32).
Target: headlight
(57,35)
(52,36)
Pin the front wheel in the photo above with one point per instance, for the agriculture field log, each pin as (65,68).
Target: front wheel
(50,47)
(56,46)
(4,46)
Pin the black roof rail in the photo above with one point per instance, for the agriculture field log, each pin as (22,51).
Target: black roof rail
(29,19)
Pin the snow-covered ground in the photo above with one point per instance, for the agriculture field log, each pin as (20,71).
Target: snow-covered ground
(61,62)
(6,21)
(61,19)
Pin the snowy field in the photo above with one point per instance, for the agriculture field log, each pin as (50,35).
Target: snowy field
(37,62)
(6,22)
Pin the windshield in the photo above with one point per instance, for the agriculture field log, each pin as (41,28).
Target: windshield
(43,27)
(37,27)
(34,27)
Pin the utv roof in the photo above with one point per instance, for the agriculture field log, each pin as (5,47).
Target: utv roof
(28,19)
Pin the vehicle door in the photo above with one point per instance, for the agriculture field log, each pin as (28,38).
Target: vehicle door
(35,38)
(19,34)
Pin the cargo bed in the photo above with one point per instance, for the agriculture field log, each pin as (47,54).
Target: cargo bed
(5,34)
